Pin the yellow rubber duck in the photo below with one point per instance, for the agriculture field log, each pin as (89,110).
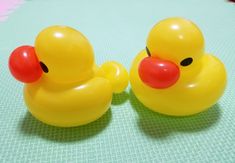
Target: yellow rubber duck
(71,90)
(174,75)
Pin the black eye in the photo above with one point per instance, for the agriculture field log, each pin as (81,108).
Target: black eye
(186,62)
(148,52)
(44,67)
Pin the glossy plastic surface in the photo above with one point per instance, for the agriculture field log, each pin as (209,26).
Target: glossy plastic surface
(67,54)
(158,73)
(201,82)
(72,91)
(24,64)
(116,74)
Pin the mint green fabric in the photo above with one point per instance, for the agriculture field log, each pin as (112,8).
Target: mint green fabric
(128,132)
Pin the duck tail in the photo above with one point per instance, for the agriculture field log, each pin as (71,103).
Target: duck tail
(116,74)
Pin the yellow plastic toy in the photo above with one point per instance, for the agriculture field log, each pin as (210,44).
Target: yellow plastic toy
(174,75)
(64,86)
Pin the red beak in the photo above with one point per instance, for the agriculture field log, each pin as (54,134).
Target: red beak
(158,73)
(24,64)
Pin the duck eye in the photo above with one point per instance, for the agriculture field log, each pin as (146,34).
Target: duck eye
(44,67)
(148,52)
(186,61)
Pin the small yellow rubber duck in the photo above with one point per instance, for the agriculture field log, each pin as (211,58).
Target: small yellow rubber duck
(174,75)
(64,86)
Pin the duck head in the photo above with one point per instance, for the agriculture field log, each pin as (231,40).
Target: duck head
(173,46)
(62,53)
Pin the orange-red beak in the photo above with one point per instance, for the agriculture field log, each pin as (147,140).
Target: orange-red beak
(158,73)
(24,64)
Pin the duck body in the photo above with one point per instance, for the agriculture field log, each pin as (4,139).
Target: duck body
(189,95)
(69,105)
(174,75)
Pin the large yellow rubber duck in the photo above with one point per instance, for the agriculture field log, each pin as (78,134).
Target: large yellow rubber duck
(174,75)
(64,86)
